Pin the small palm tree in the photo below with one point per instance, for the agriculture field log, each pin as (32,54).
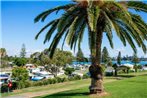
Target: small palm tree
(3,52)
(100,17)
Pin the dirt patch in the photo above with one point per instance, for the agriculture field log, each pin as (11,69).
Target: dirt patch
(99,95)
(16,91)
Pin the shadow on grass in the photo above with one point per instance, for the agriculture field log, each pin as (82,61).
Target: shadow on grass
(126,76)
(130,76)
(67,94)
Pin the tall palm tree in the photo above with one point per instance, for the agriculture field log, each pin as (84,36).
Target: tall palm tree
(3,52)
(100,17)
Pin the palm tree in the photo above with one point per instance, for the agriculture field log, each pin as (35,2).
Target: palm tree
(99,17)
(3,52)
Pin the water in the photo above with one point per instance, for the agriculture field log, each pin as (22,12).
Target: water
(122,62)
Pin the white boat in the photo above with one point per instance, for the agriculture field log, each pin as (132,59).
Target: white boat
(42,75)
(3,78)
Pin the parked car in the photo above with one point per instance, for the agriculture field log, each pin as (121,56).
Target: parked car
(42,75)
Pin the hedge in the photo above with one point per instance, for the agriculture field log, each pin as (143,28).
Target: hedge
(25,84)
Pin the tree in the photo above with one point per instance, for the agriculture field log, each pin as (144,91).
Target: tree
(119,58)
(23,51)
(3,52)
(99,17)
(20,75)
(69,71)
(105,55)
(80,56)
(115,66)
(3,58)
(35,58)
(135,59)
(20,61)
(60,59)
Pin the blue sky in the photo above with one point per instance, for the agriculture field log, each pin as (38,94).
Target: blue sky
(18,27)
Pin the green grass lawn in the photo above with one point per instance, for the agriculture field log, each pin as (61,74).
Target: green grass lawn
(135,87)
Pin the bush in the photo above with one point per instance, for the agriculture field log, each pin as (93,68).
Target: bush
(71,78)
(54,80)
(4,88)
(58,79)
(21,76)
(46,82)
(109,73)
(49,81)
(139,67)
(77,77)
(69,71)
(85,76)
(38,83)
(20,84)
(27,84)
(64,79)
(14,85)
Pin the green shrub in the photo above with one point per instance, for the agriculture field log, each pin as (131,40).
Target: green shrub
(64,79)
(45,82)
(71,78)
(54,80)
(20,85)
(28,84)
(49,81)
(37,83)
(85,76)
(77,77)
(69,71)
(109,73)
(14,85)
(4,88)
(58,79)
(21,76)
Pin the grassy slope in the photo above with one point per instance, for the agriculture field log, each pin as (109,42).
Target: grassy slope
(77,88)
(54,88)
(135,87)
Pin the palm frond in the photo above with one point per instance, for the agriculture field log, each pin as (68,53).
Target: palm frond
(65,38)
(50,31)
(74,30)
(128,32)
(109,34)
(142,26)
(44,14)
(45,27)
(55,42)
(119,33)
(81,33)
(93,13)
(66,17)
(137,5)
(78,36)
(57,38)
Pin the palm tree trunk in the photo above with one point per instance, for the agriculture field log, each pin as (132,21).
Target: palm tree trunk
(96,69)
